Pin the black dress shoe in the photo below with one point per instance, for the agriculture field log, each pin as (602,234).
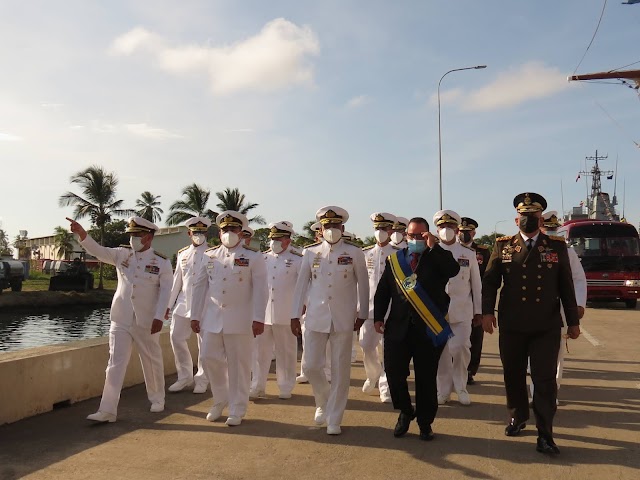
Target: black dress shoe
(514,428)
(548,446)
(402,426)
(426,434)
(470,380)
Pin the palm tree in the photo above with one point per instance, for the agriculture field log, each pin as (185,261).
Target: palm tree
(149,207)
(63,240)
(194,205)
(4,243)
(98,201)
(232,199)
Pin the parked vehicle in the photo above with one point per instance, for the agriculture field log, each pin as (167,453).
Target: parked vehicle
(11,275)
(71,276)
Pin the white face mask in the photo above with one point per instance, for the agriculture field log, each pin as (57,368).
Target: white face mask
(230,239)
(136,243)
(276,246)
(381,236)
(446,234)
(332,235)
(397,237)
(198,239)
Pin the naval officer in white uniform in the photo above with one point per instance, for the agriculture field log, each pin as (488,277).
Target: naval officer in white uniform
(188,264)
(139,304)
(465,292)
(283,263)
(229,302)
(399,235)
(332,282)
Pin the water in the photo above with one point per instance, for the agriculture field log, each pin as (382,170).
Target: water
(21,330)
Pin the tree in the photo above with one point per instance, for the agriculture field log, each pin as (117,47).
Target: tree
(115,233)
(307,237)
(149,207)
(5,249)
(262,236)
(232,199)
(63,241)
(194,205)
(98,200)
(488,240)
(20,244)
(369,241)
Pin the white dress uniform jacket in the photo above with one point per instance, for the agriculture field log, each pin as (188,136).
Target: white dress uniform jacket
(334,280)
(232,285)
(282,275)
(375,259)
(465,289)
(579,279)
(188,265)
(144,283)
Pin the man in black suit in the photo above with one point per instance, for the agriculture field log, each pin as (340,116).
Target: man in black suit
(535,274)
(406,334)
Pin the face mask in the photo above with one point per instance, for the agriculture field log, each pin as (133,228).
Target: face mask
(528,223)
(136,243)
(446,234)
(397,237)
(276,246)
(416,246)
(465,237)
(198,239)
(229,239)
(381,236)
(332,235)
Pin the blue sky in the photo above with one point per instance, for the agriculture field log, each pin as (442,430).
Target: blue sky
(302,104)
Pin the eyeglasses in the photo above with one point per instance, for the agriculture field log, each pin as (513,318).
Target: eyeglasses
(415,236)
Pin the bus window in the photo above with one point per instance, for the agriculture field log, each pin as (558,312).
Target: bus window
(622,247)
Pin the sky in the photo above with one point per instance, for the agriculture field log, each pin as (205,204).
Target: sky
(302,104)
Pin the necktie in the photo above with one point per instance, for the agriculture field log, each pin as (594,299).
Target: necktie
(414,261)
(529,244)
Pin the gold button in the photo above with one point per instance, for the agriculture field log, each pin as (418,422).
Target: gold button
(223,305)
(524,299)
(539,288)
(329,286)
(225,266)
(539,276)
(224,279)
(537,299)
(274,266)
(329,273)
(132,297)
(329,298)
(223,291)
(539,266)
(524,288)
(524,276)
(330,261)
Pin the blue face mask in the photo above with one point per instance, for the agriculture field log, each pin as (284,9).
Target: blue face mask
(416,246)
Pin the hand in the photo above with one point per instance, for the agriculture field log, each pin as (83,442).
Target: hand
(296,328)
(573,332)
(489,323)
(76,228)
(156,326)
(580,312)
(358,324)
(379,326)
(166,314)
(258,328)
(430,239)
(477,320)
(195,326)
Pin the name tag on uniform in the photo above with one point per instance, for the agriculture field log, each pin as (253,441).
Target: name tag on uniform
(549,257)
(152,269)
(345,261)
(463,262)
(241,262)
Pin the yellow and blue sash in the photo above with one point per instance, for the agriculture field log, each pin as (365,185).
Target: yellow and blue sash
(438,328)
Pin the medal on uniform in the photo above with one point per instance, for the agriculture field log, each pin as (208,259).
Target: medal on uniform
(409,283)
(518,248)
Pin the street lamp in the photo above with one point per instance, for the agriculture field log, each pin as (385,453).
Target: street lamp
(495,230)
(477,67)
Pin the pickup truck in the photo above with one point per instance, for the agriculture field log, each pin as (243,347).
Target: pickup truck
(11,275)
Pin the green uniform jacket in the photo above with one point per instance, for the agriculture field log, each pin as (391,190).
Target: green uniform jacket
(482,256)
(534,283)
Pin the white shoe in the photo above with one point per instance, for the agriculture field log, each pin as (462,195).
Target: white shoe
(354,356)
(233,421)
(334,430)
(181,385)
(463,397)
(216,412)
(320,417)
(157,407)
(385,398)
(442,399)
(200,388)
(255,393)
(102,417)
(302,378)
(284,396)
(368,387)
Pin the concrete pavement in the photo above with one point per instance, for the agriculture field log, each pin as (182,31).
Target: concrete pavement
(597,428)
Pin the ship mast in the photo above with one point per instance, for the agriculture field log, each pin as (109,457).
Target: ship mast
(600,207)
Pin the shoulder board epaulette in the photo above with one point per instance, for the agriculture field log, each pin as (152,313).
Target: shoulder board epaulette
(349,242)
(125,246)
(395,247)
(248,247)
(468,248)
(368,247)
(312,244)
(557,238)
(212,248)
(504,239)
(295,252)
(482,247)
(160,255)
(268,250)
(183,249)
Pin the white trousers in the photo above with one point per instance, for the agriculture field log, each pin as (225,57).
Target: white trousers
(327,365)
(226,359)
(121,340)
(452,369)
(332,397)
(180,334)
(560,368)
(370,342)
(286,348)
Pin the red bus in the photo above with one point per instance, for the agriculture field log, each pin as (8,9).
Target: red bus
(610,255)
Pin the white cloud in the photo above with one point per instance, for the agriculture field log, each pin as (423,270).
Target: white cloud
(359,101)
(7,137)
(275,58)
(147,131)
(239,130)
(52,105)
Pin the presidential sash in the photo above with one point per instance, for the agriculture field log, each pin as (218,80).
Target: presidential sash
(437,324)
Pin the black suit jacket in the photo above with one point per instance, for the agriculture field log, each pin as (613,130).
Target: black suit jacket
(435,268)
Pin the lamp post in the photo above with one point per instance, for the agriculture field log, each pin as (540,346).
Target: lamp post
(477,67)
(495,230)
